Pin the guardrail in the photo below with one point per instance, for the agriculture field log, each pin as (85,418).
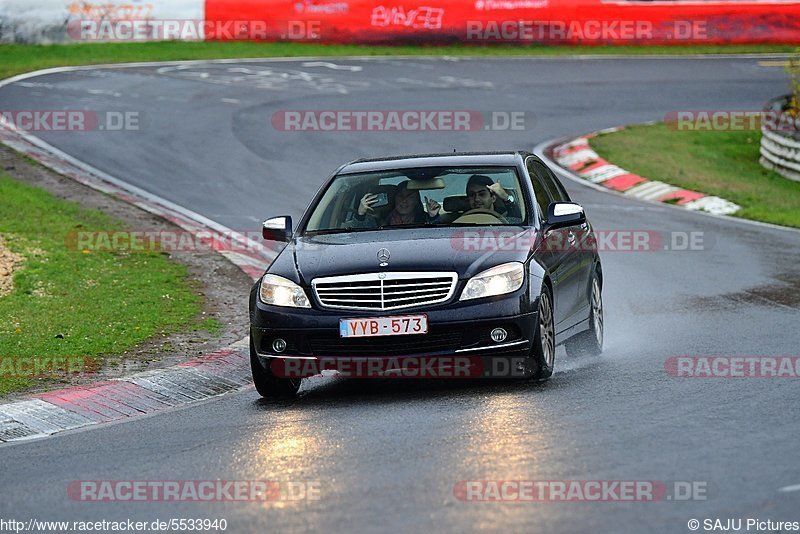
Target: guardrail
(780,154)
(780,149)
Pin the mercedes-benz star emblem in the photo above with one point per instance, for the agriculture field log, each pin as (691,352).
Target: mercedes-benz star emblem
(383,257)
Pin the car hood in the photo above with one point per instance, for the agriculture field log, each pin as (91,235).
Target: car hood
(466,251)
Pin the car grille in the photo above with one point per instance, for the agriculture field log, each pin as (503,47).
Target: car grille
(333,345)
(384,291)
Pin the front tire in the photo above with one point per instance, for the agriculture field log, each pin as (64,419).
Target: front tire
(268,385)
(544,342)
(590,342)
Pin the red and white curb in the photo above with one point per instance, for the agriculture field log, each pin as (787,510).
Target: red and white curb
(577,157)
(139,394)
(151,391)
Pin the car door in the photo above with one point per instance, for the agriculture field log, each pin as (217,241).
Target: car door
(584,250)
(558,254)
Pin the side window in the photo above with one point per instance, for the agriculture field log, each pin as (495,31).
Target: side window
(562,194)
(543,195)
(557,192)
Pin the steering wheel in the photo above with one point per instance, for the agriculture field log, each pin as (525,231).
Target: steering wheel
(480,216)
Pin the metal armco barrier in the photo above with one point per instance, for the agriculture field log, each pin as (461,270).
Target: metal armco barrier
(781,154)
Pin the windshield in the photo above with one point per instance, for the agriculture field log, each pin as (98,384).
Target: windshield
(420,197)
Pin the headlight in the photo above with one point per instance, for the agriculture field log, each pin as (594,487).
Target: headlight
(505,278)
(279,291)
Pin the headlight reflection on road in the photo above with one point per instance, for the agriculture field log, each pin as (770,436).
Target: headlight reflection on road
(281,453)
(511,431)
(511,436)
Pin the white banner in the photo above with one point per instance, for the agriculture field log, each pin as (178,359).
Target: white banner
(45,21)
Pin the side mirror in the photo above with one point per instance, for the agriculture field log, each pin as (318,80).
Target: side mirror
(562,214)
(277,229)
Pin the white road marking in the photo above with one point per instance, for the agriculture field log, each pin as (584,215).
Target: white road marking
(36,84)
(467,82)
(334,66)
(712,204)
(103,92)
(448,82)
(265,78)
(230,100)
(787,489)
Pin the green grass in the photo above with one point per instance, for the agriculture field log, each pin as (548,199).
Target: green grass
(210,325)
(724,164)
(15,59)
(67,303)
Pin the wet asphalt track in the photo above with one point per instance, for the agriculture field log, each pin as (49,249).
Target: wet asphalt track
(388,454)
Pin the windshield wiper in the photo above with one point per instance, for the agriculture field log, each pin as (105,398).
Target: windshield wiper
(329,231)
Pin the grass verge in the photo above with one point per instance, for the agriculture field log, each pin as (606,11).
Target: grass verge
(16,59)
(724,164)
(76,305)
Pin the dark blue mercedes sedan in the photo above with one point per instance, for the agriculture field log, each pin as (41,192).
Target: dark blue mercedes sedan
(463,264)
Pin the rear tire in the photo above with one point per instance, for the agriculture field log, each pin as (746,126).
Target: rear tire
(590,342)
(268,385)
(544,342)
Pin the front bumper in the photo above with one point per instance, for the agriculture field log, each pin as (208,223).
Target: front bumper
(454,329)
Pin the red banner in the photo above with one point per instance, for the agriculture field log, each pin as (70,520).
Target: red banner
(586,22)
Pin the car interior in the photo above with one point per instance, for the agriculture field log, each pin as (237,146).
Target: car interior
(339,205)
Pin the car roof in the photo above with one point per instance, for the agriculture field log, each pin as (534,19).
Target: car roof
(452,159)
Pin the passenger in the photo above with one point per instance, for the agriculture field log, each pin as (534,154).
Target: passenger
(484,193)
(408,209)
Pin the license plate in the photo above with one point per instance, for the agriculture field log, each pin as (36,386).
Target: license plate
(401,325)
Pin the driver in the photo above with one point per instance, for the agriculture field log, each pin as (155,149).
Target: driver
(484,193)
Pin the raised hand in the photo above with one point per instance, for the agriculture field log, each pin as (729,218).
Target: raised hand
(366,204)
(432,207)
(499,192)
